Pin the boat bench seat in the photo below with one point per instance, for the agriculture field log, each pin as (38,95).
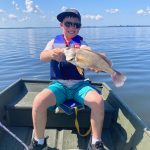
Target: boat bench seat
(20,114)
(19,109)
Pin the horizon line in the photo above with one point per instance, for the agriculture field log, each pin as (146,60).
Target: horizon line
(82,27)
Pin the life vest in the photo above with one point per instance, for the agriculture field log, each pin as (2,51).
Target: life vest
(65,70)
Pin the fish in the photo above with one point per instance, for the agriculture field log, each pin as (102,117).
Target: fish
(89,59)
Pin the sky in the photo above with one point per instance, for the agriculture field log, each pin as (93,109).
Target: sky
(42,13)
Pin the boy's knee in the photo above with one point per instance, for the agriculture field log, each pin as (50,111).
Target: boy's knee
(37,103)
(97,102)
(43,100)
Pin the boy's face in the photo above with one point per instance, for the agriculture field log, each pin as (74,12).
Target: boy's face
(70,27)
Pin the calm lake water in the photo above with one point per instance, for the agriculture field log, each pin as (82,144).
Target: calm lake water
(127,47)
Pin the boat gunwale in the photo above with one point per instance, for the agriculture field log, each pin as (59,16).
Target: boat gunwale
(129,111)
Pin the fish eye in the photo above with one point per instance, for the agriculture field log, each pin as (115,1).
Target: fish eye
(71,59)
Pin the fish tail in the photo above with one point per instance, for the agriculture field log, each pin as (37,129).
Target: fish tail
(118,78)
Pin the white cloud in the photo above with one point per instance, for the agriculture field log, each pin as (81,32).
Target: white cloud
(43,17)
(2,11)
(63,8)
(26,18)
(92,17)
(112,10)
(31,8)
(148,10)
(144,11)
(141,12)
(12,16)
(37,9)
(15,5)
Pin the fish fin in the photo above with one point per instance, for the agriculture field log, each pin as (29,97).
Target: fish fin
(102,54)
(118,78)
(80,70)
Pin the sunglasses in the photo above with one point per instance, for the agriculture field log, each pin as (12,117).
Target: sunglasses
(75,24)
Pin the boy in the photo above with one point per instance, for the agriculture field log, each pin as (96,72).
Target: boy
(67,84)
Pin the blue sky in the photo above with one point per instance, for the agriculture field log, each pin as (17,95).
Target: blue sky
(42,13)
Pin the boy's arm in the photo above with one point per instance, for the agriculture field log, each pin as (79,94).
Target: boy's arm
(54,54)
(51,53)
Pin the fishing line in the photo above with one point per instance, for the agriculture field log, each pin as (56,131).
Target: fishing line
(14,136)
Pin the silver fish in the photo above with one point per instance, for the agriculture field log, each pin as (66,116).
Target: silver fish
(87,59)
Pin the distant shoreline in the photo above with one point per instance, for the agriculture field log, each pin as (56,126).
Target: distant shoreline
(82,27)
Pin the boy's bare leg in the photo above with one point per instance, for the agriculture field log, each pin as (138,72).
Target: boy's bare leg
(39,111)
(96,103)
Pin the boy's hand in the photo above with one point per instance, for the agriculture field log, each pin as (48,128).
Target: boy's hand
(85,47)
(57,54)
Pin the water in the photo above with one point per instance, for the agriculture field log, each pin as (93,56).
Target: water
(127,47)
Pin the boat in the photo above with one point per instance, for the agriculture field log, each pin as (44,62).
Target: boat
(122,129)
